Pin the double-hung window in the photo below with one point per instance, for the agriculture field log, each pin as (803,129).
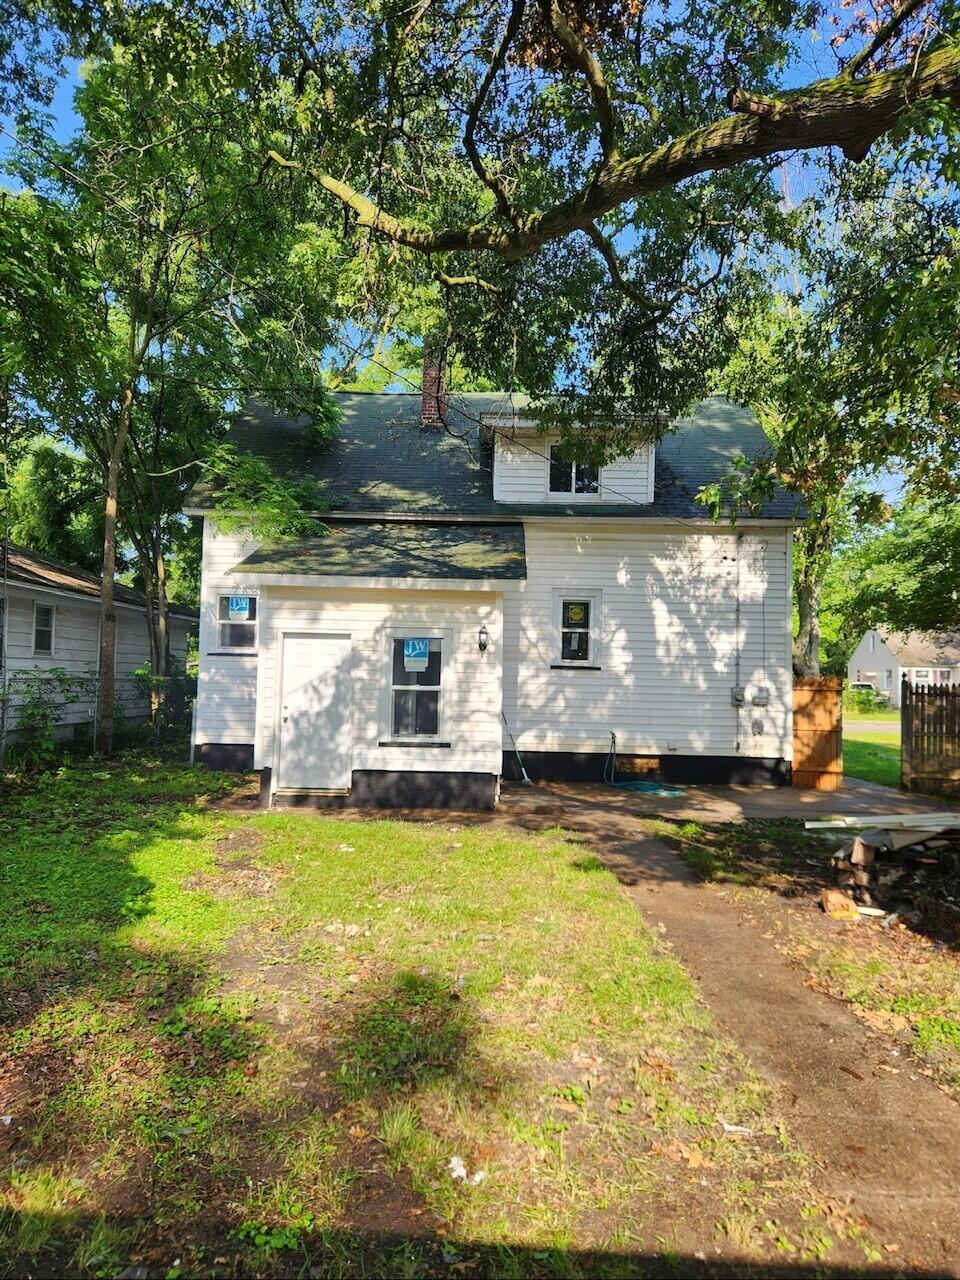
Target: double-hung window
(578,628)
(416,664)
(237,623)
(43,624)
(567,476)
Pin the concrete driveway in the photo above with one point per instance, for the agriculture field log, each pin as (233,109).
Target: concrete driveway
(710,804)
(853,725)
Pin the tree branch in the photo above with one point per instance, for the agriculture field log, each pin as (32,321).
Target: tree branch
(889,28)
(840,112)
(491,180)
(609,255)
(458,282)
(590,68)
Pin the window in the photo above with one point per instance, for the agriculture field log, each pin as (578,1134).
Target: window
(43,616)
(873,642)
(578,618)
(888,679)
(237,622)
(943,676)
(415,664)
(572,477)
(921,674)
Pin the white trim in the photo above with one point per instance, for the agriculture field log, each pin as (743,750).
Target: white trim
(51,652)
(569,495)
(247,650)
(594,598)
(390,632)
(27,588)
(330,581)
(504,516)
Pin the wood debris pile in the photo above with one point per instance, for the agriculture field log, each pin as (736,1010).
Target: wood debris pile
(907,865)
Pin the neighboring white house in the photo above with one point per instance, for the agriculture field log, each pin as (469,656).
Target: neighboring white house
(883,659)
(50,621)
(470,573)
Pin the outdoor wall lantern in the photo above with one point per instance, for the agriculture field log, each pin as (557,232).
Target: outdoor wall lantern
(483,637)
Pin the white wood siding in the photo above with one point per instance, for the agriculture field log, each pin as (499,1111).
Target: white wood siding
(471,680)
(871,660)
(227,684)
(76,645)
(668,650)
(77,632)
(521,473)
(668,642)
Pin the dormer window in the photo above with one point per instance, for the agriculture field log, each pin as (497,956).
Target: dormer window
(567,476)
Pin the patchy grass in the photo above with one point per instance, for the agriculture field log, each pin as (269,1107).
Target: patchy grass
(873,756)
(262,1044)
(897,979)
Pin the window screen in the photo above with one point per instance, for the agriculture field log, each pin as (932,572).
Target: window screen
(237,622)
(43,628)
(414,694)
(575,631)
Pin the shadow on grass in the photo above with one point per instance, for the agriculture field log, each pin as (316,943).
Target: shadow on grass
(415,1031)
(339,1255)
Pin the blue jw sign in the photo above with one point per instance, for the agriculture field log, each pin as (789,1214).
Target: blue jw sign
(416,653)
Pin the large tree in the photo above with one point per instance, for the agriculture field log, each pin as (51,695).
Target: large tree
(848,349)
(563,183)
(183,289)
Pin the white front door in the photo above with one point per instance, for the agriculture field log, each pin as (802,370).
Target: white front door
(315,736)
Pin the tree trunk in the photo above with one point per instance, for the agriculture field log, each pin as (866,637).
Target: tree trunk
(812,545)
(806,644)
(163,609)
(106,684)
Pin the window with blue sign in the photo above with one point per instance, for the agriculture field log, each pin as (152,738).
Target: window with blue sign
(415,686)
(237,623)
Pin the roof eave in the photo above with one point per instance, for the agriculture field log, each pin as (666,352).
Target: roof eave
(371,582)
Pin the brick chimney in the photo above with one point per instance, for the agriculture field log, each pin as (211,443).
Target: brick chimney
(433,390)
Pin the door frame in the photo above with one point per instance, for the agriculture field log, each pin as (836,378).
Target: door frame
(300,633)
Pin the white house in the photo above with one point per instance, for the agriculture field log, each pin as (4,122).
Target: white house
(471,578)
(50,621)
(884,658)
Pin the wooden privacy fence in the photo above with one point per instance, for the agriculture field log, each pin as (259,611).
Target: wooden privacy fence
(930,737)
(817,732)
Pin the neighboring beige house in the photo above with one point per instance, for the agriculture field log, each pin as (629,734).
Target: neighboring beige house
(50,621)
(471,573)
(883,659)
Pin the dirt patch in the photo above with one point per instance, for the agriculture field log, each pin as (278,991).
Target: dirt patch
(241,840)
(888,1142)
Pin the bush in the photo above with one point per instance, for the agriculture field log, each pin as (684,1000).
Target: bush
(865,700)
(36,702)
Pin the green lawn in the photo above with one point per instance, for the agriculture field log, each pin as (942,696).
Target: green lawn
(238,1043)
(876,713)
(873,756)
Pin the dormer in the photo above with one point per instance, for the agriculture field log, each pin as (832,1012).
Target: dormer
(528,468)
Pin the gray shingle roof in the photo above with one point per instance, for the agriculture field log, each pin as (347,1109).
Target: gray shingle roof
(916,649)
(383,460)
(29,568)
(397,550)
